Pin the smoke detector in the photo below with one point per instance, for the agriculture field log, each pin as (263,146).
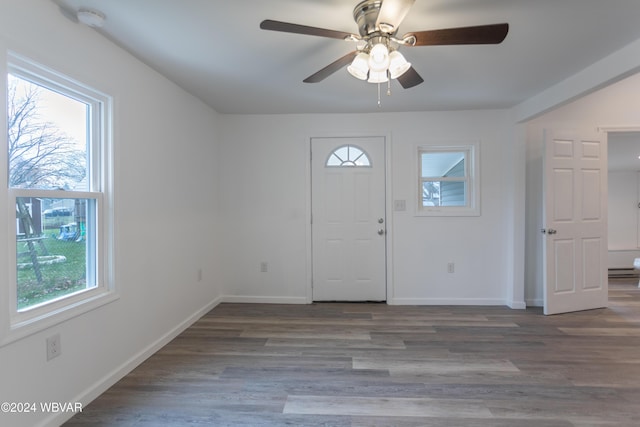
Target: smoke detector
(91,18)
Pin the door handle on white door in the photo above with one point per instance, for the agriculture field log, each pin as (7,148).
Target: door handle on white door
(551,231)
(381,231)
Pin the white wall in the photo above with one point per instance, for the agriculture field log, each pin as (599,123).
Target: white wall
(623,218)
(166,183)
(265,208)
(623,210)
(616,106)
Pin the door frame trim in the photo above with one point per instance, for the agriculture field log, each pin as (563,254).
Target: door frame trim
(614,129)
(388,207)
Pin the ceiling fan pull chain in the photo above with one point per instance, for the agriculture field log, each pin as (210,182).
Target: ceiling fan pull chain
(388,83)
(379,103)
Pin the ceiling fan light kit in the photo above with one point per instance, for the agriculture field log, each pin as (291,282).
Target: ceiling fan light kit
(359,68)
(370,66)
(378,77)
(398,65)
(376,58)
(379,58)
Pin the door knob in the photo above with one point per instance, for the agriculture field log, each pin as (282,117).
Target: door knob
(381,231)
(551,231)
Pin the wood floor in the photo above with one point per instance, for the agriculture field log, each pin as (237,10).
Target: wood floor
(369,365)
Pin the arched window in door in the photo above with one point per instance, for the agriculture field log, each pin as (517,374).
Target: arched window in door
(348,156)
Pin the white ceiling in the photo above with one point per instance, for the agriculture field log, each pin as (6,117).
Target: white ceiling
(215,50)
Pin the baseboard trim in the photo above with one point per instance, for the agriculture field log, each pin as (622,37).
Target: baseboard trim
(445,301)
(117,374)
(517,305)
(243,299)
(535,302)
(622,272)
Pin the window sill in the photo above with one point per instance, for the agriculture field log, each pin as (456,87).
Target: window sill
(21,329)
(448,211)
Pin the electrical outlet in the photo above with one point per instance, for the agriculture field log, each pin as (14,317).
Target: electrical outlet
(264,267)
(451,267)
(53,346)
(399,205)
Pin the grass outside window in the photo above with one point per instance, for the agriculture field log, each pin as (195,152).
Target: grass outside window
(60,278)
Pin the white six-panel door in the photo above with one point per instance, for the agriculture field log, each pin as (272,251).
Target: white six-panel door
(575,224)
(348,219)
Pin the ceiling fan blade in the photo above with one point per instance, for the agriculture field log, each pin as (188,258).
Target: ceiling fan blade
(410,78)
(481,34)
(391,14)
(287,27)
(331,68)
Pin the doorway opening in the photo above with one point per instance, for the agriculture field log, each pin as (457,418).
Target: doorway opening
(623,203)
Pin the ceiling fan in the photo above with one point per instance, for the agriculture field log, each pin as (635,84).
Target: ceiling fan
(376,58)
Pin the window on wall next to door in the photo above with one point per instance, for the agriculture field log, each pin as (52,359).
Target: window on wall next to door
(448,183)
(59,171)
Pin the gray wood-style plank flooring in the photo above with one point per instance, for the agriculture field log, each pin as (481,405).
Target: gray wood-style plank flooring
(370,365)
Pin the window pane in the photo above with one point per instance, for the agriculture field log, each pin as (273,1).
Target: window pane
(334,161)
(444,193)
(362,160)
(342,153)
(55,238)
(431,193)
(453,193)
(440,164)
(349,156)
(47,138)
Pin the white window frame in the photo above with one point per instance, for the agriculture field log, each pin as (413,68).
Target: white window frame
(472,178)
(100,189)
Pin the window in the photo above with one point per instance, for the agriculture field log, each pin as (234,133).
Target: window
(59,182)
(348,156)
(448,183)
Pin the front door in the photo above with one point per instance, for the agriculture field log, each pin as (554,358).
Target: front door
(348,219)
(575,223)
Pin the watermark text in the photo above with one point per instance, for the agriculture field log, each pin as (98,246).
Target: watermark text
(43,407)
